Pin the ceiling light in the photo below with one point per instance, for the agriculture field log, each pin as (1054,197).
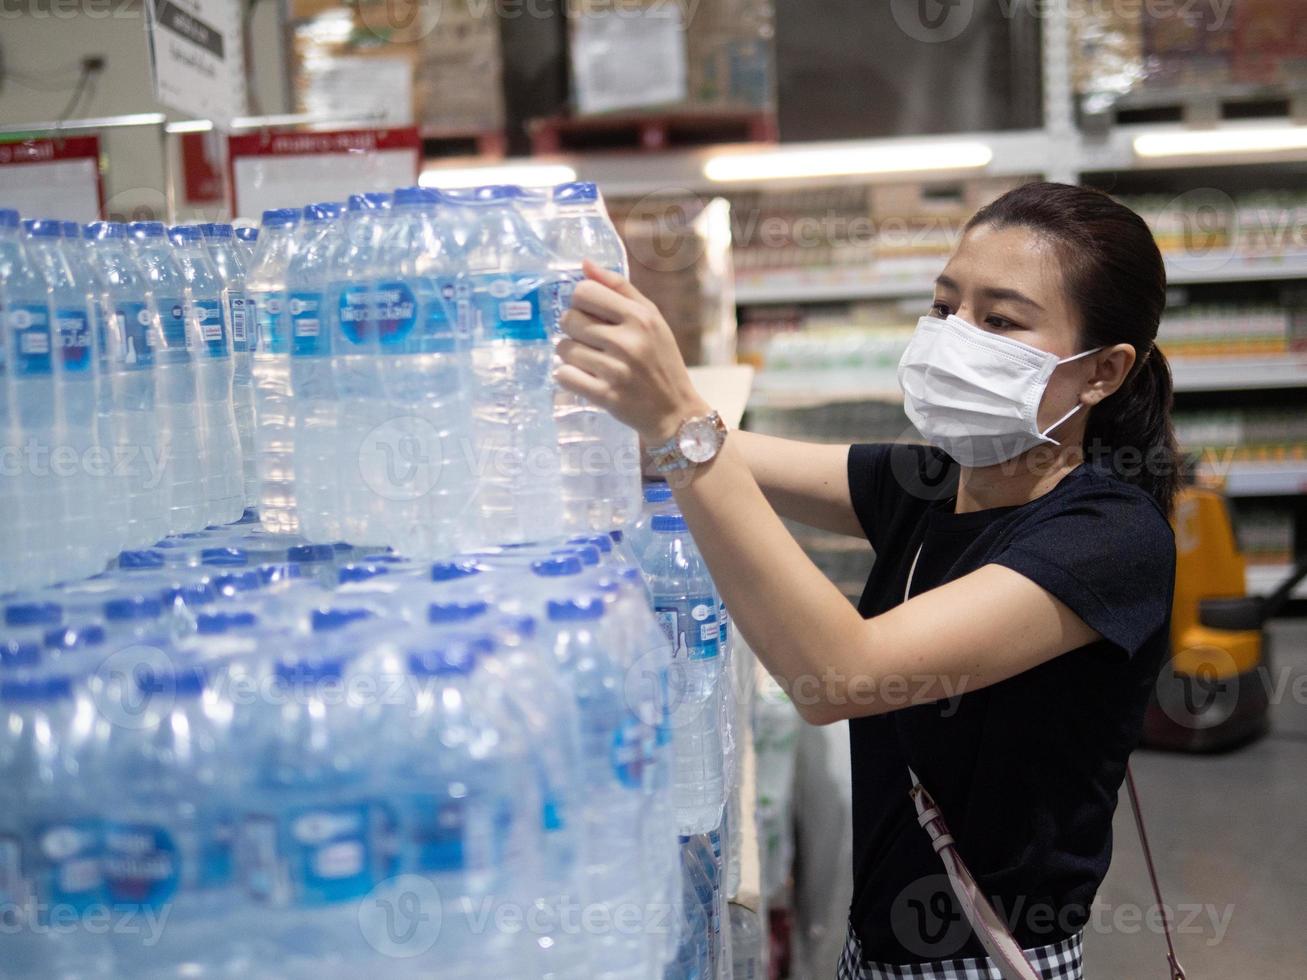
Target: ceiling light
(846,160)
(1214,142)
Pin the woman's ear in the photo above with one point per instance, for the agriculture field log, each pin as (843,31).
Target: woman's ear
(1111,367)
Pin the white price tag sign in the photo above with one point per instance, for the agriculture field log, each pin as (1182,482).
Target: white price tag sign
(198,58)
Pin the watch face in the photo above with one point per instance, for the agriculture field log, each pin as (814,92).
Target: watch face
(698,440)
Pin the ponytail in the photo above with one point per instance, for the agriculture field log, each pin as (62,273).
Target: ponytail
(1130,432)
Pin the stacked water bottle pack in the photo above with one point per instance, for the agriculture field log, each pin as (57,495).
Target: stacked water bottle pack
(378,371)
(237,753)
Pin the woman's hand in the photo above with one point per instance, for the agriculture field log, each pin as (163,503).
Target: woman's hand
(619,352)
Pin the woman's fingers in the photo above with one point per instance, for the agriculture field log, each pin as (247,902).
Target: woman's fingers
(585,328)
(604,303)
(591,361)
(586,385)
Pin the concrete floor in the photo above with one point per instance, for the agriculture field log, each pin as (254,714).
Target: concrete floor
(1228,834)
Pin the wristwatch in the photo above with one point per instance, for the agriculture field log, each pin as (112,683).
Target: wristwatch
(698,440)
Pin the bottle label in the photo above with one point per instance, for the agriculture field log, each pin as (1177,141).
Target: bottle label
(142,866)
(337,853)
(134,324)
(29,325)
(69,875)
(172,313)
(723,625)
(395,313)
(236,310)
(456,835)
(306,325)
(208,313)
(274,335)
(628,753)
(439,332)
(74,340)
(510,310)
(11,876)
(691,625)
(256,858)
(356,312)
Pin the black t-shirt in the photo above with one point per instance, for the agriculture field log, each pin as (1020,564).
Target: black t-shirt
(1026,771)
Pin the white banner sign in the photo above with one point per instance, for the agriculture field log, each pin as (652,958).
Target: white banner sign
(198,58)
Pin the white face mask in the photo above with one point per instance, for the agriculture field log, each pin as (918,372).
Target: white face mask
(974,394)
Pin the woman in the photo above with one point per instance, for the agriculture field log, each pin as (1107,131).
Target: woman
(1017,613)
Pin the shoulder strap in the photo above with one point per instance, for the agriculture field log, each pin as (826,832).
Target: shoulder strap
(1177,971)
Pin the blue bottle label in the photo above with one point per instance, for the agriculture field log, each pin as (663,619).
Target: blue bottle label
(208,313)
(510,310)
(455,835)
(628,753)
(395,314)
(68,870)
(691,626)
(337,853)
(74,340)
(172,314)
(307,339)
(723,625)
(237,307)
(355,308)
(134,324)
(438,335)
(269,316)
(29,326)
(11,874)
(142,866)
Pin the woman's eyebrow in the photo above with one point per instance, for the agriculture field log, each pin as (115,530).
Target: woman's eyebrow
(991,292)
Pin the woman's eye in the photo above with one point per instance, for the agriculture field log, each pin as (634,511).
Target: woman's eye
(940,310)
(1000,322)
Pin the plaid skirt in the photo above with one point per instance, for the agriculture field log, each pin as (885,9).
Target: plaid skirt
(1058,961)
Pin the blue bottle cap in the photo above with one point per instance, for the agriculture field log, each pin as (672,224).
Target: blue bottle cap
(102,230)
(230,583)
(133,607)
(192,595)
(523,625)
(328,620)
(311,552)
(308,671)
(657,493)
(16,654)
(617,536)
(8,218)
(224,557)
(588,554)
(186,233)
(576,192)
(667,523)
(557,567)
(455,612)
(72,229)
(33,614)
(601,541)
(360,573)
(584,609)
(34,690)
(135,560)
(75,637)
(279,572)
(450,571)
(410,196)
(247,233)
(217,623)
(325,211)
(149,229)
(454,657)
(281,217)
(215,229)
(371,201)
(182,682)
(44,228)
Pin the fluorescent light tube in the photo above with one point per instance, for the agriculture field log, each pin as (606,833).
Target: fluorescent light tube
(833,160)
(1215,142)
(524,174)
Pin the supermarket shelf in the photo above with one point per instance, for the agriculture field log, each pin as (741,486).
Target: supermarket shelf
(807,389)
(1229,373)
(1261,479)
(1264,579)
(1218,267)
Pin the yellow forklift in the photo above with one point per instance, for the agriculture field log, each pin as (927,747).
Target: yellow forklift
(1214,693)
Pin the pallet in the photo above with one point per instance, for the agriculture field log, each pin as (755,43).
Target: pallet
(1222,102)
(443,142)
(650,132)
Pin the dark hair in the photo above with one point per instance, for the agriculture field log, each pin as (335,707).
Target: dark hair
(1115,277)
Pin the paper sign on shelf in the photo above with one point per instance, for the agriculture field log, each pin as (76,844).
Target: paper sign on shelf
(198,58)
(282,170)
(53,178)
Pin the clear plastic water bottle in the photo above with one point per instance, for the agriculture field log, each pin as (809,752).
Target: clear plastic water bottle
(746,944)
(694,958)
(82,486)
(223,462)
(34,387)
(176,368)
(419,460)
(355,272)
(11,529)
(584,642)
(657,499)
(315,406)
(229,263)
(508,276)
(170,801)
(51,834)
(600,456)
(247,241)
(113,504)
(138,336)
(686,606)
(265,286)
